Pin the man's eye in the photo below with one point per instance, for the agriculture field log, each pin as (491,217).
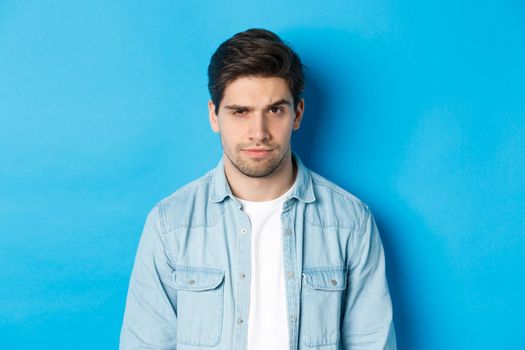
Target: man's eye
(276,109)
(239,111)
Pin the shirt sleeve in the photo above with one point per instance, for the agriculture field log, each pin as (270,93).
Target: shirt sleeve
(150,317)
(367,317)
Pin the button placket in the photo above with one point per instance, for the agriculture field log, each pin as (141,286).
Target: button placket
(243,290)
(290,267)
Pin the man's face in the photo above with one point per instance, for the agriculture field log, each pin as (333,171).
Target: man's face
(255,120)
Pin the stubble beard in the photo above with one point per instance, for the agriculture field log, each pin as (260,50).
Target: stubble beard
(256,168)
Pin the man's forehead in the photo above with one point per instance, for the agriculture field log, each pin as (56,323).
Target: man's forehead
(252,90)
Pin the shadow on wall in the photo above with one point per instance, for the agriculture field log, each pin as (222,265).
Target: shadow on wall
(323,90)
(334,101)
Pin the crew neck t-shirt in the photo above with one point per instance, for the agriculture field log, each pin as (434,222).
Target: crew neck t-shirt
(267,320)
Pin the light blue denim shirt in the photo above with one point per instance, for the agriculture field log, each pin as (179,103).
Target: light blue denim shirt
(190,284)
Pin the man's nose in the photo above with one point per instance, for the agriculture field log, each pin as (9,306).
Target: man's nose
(259,127)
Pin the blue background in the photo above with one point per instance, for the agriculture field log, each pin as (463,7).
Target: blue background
(418,108)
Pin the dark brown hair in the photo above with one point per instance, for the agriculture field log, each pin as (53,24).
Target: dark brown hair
(254,52)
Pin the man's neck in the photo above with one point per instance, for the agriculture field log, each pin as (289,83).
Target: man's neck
(262,188)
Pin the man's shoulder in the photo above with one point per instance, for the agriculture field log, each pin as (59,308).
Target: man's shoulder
(199,186)
(337,206)
(322,184)
(179,208)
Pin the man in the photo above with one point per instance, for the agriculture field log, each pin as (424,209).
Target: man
(260,253)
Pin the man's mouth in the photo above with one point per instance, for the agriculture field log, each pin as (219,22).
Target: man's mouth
(257,152)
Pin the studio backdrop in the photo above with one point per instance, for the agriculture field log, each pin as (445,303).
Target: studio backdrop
(417,108)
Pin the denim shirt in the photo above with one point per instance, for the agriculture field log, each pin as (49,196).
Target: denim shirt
(190,284)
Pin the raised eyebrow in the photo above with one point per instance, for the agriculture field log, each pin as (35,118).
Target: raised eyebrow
(279,103)
(246,108)
(237,107)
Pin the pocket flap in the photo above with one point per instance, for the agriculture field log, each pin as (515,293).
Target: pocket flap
(325,278)
(197,278)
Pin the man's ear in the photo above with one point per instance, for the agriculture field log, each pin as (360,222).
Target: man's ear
(214,121)
(298,114)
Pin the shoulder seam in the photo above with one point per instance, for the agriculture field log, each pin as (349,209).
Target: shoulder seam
(321,181)
(186,187)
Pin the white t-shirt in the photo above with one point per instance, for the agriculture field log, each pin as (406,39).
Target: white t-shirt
(268,320)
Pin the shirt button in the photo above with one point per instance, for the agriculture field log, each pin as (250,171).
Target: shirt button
(243,231)
(240,321)
(293,318)
(334,282)
(242,275)
(290,274)
(288,231)
(190,282)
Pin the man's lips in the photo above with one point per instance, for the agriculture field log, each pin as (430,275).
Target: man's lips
(257,152)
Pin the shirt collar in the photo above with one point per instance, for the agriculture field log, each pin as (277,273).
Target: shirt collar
(303,190)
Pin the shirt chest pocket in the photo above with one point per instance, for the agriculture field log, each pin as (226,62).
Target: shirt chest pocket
(322,297)
(200,300)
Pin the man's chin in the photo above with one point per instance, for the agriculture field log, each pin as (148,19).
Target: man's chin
(256,172)
(255,167)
